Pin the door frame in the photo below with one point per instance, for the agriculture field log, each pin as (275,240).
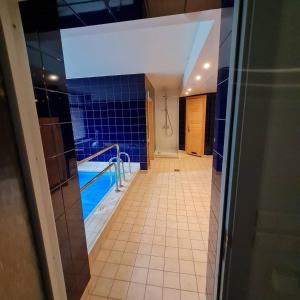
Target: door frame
(20,93)
(150,127)
(150,130)
(231,150)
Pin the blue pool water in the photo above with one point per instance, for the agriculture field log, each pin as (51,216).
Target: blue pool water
(92,195)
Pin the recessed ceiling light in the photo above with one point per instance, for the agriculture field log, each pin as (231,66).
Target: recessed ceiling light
(189,89)
(186,93)
(198,77)
(206,66)
(53,77)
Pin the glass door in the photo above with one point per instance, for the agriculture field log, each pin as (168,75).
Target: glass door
(261,231)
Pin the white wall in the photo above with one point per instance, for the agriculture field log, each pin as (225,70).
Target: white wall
(166,143)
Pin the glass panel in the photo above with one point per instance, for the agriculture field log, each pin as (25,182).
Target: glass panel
(263,260)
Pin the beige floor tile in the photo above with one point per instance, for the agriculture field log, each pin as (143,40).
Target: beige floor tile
(145,248)
(93,297)
(159,240)
(153,293)
(187,267)
(186,295)
(171,242)
(147,238)
(196,244)
(109,270)
(102,287)
(159,237)
(201,282)
(124,273)
(184,243)
(171,232)
(103,255)
(200,268)
(126,227)
(183,234)
(119,289)
(188,282)
(202,296)
(108,244)
(157,263)
(119,245)
(158,250)
(136,291)
(115,257)
(97,267)
(134,237)
(142,261)
(200,255)
(171,252)
(92,282)
(113,234)
(139,275)
(185,254)
(132,247)
(155,277)
(171,280)
(171,264)
(171,294)
(128,259)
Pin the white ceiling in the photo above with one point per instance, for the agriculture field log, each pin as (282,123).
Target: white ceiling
(168,49)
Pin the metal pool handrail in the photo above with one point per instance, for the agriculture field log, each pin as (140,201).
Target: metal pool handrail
(100,174)
(118,170)
(128,159)
(122,163)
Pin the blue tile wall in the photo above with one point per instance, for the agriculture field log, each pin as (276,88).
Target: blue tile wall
(108,110)
(40,23)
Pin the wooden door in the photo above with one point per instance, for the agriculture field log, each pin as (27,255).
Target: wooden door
(195,125)
(150,136)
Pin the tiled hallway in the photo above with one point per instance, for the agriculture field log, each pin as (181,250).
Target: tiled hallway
(157,246)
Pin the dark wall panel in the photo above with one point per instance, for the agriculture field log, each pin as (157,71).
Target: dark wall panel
(40,22)
(182,110)
(108,110)
(209,123)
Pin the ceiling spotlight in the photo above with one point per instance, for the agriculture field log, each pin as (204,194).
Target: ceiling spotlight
(53,77)
(198,77)
(186,93)
(189,89)
(206,66)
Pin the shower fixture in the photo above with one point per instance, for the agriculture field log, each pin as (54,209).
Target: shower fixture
(168,124)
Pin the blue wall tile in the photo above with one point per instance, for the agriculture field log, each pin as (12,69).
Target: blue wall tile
(40,23)
(107,110)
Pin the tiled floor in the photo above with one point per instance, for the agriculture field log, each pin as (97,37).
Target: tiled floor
(157,246)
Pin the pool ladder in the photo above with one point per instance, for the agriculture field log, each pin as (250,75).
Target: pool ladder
(121,163)
(111,164)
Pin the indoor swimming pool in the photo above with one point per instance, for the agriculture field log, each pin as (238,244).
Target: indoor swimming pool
(93,194)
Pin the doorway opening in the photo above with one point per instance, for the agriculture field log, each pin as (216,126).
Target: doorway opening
(111,86)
